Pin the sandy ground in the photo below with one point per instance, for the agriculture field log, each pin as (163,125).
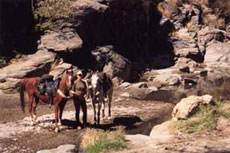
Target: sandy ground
(18,135)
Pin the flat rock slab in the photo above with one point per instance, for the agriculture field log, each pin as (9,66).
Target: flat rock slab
(69,148)
(138,138)
(32,65)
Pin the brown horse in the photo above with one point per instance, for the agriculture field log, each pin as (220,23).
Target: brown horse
(29,85)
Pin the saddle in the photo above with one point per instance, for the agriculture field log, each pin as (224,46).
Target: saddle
(47,86)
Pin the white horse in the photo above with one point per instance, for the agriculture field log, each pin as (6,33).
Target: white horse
(100,90)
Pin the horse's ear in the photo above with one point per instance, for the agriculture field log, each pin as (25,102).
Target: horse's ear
(69,71)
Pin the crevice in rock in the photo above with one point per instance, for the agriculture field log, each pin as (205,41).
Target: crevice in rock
(17,28)
(133,28)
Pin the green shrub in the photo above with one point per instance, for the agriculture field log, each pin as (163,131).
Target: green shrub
(98,141)
(105,145)
(48,11)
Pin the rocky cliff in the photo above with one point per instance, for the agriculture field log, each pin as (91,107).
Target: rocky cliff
(190,38)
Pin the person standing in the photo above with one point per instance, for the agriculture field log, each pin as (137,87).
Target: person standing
(79,91)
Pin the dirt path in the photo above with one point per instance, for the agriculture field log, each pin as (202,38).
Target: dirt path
(18,135)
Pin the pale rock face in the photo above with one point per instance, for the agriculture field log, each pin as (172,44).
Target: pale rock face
(217,53)
(58,41)
(139,85)
(187,106)
(33,65)
(168,79)
(161,134)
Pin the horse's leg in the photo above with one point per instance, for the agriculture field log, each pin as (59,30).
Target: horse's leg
(30,102)
(98,113)
(94,112)
(103,108)
(61,108)
(56,117)
(34,106)
(110,94)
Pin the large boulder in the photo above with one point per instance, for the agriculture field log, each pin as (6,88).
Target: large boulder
(63,35)
(64,40)
(32,65)
(207,36)
(187,106)
(168,79)
(161,134)
(112,63)
(218,54)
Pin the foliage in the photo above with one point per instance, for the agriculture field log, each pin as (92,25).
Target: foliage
(3,61)
(97,141)
(48,11)
(167,8)
(205,119)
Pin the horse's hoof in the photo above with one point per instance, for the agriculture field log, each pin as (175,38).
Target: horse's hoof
(79,127)
(33,123)
(56,130)
(59,124)
(109,117)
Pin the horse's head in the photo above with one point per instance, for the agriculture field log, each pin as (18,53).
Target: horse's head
(96,84)
(69,78)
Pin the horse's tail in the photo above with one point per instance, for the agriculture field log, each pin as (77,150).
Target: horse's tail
(22,97)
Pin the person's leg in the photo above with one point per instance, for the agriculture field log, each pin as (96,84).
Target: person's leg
(84,110)
(77,108)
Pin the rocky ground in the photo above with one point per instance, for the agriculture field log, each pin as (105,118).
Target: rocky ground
(137,116)
(18,135)
(171,48)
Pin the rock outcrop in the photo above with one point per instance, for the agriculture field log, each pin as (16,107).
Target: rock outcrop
(187,106)
(65,40)
(161,133)
(112,63)
(31,66)
(218,54)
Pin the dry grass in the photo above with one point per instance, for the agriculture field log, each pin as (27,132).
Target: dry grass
(201,2)
(214,21)
(221,6)
(205,119)
(97,141)
(167,8)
